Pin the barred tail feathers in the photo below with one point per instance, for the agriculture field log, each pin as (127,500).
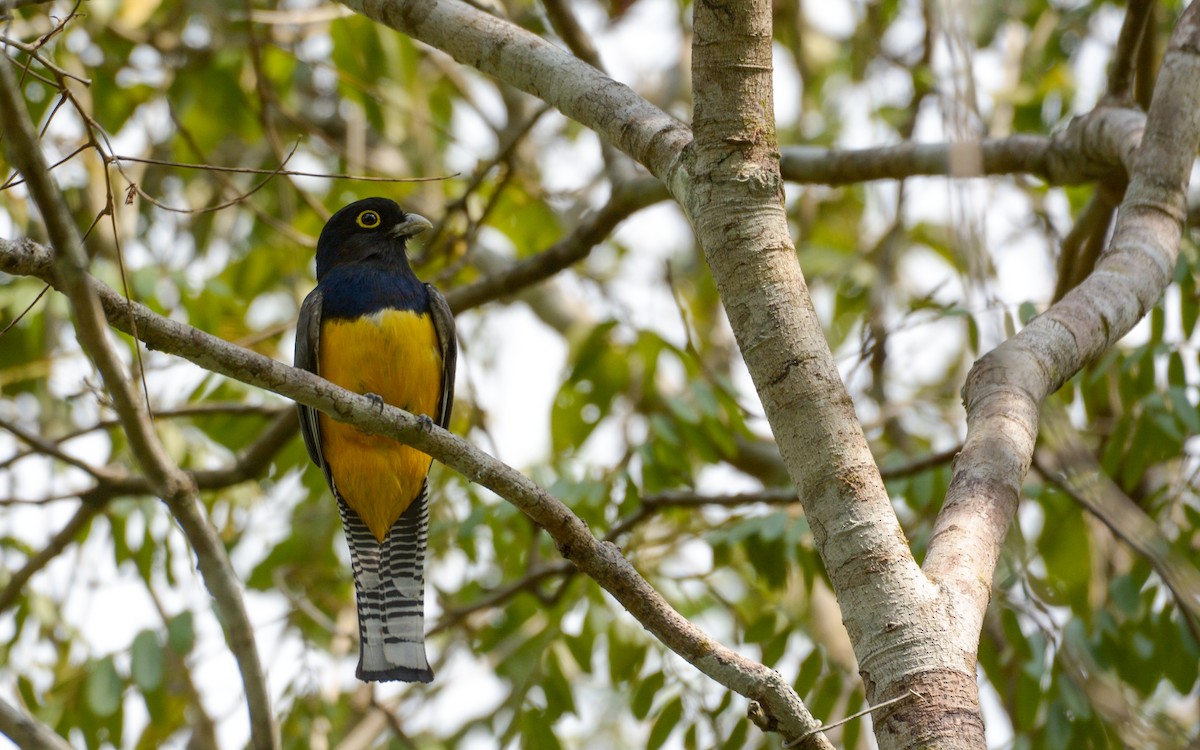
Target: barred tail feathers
(389,584)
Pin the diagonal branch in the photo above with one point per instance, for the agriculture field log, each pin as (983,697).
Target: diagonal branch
(526,61)
(66,535)
(1123,67)
(28,732)
(601,560)
(175,487)
(626,199)
(48,448)
(1074,470)
(1005,389)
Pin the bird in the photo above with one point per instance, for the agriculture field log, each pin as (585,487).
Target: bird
(372,327)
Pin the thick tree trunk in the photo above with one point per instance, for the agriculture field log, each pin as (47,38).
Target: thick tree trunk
(735,201)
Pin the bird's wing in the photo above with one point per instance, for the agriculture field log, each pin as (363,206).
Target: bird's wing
(308,350)
(443,325)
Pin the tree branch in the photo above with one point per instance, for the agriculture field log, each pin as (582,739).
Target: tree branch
(535,66)
(27,732)
(251,463)
(1122,68)
(1005,389)
(626,199)
(65,536)
(600,560)
(1091,148)
(1083,245)
(1074,470)
(186,410)
(175,487)
(734,172)
(47,448)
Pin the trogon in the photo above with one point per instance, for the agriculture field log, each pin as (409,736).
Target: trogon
(372,327)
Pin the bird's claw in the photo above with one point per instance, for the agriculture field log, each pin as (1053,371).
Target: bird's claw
(424,422)
(376,400)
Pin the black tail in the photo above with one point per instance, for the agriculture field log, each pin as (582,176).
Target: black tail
(389,584)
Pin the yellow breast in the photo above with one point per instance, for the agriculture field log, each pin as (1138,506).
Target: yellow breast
(395,355)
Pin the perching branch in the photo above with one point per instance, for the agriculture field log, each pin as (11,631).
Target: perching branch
(600,560)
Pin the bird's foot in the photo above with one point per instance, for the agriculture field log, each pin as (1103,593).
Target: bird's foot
(376,401)
(424,422)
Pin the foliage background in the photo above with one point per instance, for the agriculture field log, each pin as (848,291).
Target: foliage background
(616,384)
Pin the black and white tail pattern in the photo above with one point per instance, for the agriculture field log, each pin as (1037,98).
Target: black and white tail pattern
(389,584)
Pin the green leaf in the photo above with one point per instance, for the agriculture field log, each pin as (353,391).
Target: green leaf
(1125,594)
(643,697)
(1058,727)
(103,688)
(181,634)
(667,719)
(625,657)
(146,661)
(537,732)
(559,696)
(810,671)
(737,737)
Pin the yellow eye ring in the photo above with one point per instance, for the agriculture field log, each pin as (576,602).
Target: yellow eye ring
(368,219)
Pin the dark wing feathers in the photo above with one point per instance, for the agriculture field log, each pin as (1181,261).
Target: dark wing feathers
(308,340)
(443,325)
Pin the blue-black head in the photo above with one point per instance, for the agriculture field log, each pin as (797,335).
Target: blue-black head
(370,230)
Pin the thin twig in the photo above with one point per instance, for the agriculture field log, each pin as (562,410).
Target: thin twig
(181,412)
(869,709)
(279,172)
(25,312)
(50,449)
(59,542)
(528,582)
(33,52)
(1075,471)
(783,495)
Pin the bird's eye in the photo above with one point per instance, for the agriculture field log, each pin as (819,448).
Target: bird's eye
(368,220)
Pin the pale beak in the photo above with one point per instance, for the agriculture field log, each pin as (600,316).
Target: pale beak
(412,225)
